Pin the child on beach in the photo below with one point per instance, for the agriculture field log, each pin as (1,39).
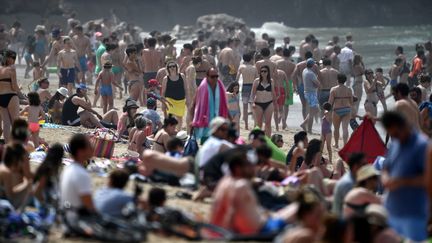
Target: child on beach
(175,147)
(139,141)
(326,130)
(154,93)
(34,113)
(382,83)
(105,80)
(38,72)
(233,103)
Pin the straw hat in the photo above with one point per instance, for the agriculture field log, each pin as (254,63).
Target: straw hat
(366,172)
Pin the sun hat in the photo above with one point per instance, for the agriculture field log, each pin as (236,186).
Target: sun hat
(182,135)
(366,172)
(216,123)
(131,104)
(63,91)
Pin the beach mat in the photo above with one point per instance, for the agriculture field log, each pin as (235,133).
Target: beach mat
(364,139)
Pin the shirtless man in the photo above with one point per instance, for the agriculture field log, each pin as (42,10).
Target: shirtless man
(288,67)
(235,206)
(428,48)
(329,49)
(316,52)
(201,70)
(305,46)
(152,60)
(334,57)
(403,76)
(208,57)
(191,80)
(67,61)
(262,43)
(298,80)
(328,81)
(227,63)
(4,37)
(278,55)
(133,74)
(82,47)
(249,73)
(56,46)
(185,57)
(266,62)
(406,105)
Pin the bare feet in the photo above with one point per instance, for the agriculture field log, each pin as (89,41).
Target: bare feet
(303,126)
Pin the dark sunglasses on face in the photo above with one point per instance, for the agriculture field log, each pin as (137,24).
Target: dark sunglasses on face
(171,66)
(263,71)
(214,76)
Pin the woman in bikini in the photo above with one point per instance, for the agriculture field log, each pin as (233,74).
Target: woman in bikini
(341,99)
(233,103)
(162,136)
(371,90)
(139,142)
(9,102)
(263,96)
(358,70)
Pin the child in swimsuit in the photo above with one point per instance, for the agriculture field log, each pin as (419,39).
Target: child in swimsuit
(104,83)
(34,113)
(153,92)
(233,103)
(139,141)
(38,72)
(326,131)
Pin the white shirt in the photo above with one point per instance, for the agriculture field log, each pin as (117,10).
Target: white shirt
(345,55)
(210,148)
(74,182)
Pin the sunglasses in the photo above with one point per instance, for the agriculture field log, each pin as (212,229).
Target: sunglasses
(263,71)
(214,76)
(172,66)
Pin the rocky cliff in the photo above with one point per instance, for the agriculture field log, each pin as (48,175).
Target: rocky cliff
(164,14)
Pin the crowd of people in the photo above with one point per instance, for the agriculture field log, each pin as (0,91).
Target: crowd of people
(196,95)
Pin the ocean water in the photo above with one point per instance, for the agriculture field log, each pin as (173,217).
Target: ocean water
(376,44)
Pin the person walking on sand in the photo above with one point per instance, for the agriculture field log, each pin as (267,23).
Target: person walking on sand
(311,85)
(249,73)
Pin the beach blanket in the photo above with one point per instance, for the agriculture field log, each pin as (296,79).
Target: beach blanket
(364,139)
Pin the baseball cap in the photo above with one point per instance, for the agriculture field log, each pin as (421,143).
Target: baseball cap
(82,86)
(310,62)
(366,172)
(63,91)
(153,82)
(55,33)
(216,123)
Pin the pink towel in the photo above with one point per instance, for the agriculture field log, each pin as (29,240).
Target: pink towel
(201,116)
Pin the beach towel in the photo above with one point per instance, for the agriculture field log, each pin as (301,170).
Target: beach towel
(364,139)
(277,153)
(202,108)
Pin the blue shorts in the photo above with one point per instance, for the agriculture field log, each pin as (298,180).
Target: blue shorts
(312,99)
(393,83)
(273,225)
(412,228)
(67,76)
(323,96)
(106,90)
(83,63)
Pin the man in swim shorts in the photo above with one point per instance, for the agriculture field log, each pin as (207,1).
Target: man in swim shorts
(248,72)
(82,45)
(328,80)
(311,84)
(152,60)
(227,63)
(67,61)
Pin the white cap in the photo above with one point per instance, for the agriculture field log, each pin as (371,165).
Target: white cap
(63,91)
(182,135)
(216,123)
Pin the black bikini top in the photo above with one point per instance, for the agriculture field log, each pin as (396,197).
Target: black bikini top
(9,80)
(261,87)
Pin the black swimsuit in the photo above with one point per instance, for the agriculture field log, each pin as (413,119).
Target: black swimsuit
(264,105)
(6,98)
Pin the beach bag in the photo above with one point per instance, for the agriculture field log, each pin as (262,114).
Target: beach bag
(103,141)
(191,147)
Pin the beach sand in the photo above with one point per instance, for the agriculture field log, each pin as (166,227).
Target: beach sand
(200,209)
